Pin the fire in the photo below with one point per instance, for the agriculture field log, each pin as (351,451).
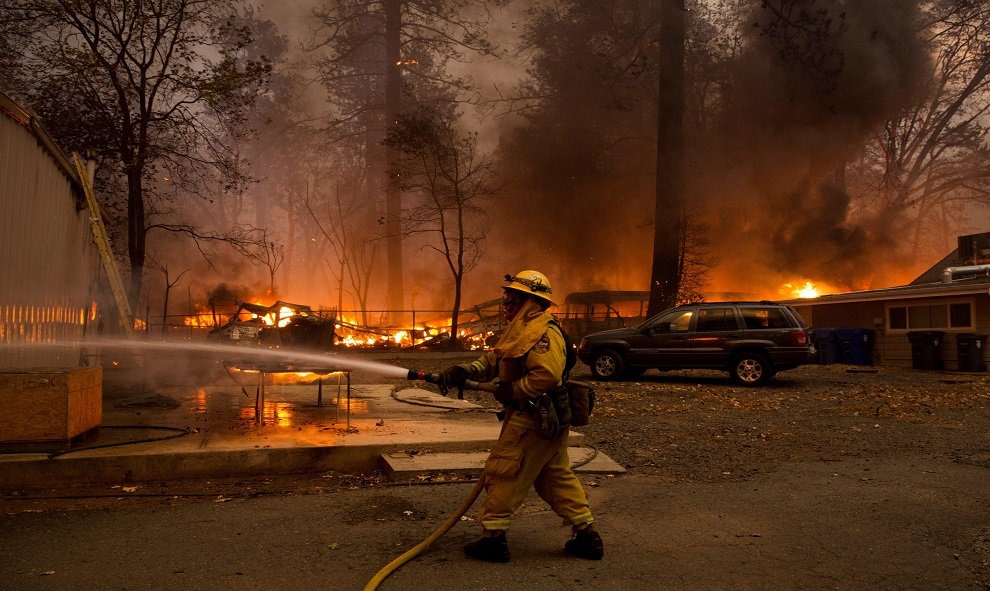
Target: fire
(348,330)
(352,341)
(202,318)
(807,289)
(285,315)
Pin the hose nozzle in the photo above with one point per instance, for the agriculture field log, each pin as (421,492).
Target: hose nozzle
(432,378)
(437,379)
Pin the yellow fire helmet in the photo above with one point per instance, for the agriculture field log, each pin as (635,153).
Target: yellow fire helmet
(531,282)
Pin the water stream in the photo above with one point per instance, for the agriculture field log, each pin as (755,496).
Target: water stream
(241,353)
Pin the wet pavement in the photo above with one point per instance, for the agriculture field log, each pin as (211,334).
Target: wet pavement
(241,425)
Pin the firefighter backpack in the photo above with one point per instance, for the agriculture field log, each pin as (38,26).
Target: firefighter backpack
(580,398)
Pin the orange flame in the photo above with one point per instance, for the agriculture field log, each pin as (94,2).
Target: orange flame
(807,288)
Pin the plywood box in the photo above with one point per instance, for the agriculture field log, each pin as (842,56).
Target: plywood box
(50,404)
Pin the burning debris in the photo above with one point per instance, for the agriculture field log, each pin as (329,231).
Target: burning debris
(296,326)
(280,325)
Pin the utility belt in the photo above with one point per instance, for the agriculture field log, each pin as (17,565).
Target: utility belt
(568,404)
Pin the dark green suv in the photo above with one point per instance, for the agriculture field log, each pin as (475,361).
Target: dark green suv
(750,340)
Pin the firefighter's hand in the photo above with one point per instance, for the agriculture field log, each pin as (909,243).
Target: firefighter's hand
(453,377)
(504,392)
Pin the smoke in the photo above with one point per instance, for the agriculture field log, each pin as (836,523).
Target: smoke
(768,179)
(807,95)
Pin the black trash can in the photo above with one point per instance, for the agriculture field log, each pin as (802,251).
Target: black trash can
(856,345)
(826,346)
(969,349)
(925,349)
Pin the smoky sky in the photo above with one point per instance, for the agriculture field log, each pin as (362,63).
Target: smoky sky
(768,178)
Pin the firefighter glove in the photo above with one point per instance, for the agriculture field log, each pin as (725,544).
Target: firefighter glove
(454,376)
(504,392)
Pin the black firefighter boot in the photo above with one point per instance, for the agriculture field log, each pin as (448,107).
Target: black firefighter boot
(586,543)
(493,548)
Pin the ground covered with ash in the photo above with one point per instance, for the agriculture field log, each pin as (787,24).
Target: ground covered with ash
(699,426)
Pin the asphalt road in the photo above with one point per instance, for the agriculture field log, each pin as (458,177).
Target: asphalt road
(907,523)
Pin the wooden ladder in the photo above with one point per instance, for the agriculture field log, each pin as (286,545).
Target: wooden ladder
(102,241)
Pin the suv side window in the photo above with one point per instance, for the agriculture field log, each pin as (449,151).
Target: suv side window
(769,317)
(716,319)
(676,321)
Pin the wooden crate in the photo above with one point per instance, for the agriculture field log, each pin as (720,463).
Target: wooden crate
(50,404)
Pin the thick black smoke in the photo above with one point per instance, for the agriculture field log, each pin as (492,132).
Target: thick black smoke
(818,78)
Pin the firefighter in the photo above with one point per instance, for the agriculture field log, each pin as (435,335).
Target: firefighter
(528,360)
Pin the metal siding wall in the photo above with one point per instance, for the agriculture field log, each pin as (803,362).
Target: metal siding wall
(47,273)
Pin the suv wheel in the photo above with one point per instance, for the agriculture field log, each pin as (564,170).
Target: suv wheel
(607,365)
(751,369)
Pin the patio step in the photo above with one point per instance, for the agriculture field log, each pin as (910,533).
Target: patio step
(412,465)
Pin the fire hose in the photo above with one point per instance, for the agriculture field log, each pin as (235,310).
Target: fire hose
(436,379)
(422,546)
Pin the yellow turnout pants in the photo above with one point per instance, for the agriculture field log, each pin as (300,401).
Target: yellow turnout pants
(522,458)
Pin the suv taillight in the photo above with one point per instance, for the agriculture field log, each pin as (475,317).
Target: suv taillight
(799,338)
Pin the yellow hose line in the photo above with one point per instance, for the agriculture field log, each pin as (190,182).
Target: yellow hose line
(422,546)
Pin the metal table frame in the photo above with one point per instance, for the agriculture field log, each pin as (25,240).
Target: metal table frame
(265,369)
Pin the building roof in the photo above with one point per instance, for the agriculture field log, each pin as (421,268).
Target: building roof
(957,287)
(34,126)
(935,282)
(934,274)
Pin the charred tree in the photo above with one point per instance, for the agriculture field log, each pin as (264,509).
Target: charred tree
(669,221)
(452,179)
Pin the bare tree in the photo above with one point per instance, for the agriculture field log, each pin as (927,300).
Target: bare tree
(155,89)
(929,162)
(381,57)
(271,257)
(168,288)
(355,253)
(453,178)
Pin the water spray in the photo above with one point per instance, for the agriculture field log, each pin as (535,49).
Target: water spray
(294,356)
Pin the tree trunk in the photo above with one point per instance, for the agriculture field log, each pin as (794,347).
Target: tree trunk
(669,215)
(454,341)
(290,243)
(136,234)
(393,196)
